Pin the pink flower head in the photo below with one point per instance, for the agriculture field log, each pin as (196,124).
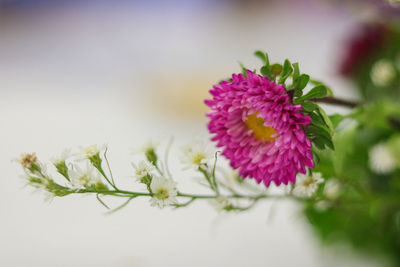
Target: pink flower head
(260,130)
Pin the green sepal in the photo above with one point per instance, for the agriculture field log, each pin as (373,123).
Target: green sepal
(151,156)
(62,169)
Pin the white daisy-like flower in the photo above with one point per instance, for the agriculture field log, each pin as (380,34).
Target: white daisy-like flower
(196,154)
(220,203)
(332,189)
(381,159)
(149,146)
(142,169)
(383,72)
(84,177)
(90,151)
(164,191)
(65,154)
(307,185)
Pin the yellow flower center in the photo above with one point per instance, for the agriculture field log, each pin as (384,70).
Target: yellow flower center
(307,182)
(260,131)
(162,194)
(197,158)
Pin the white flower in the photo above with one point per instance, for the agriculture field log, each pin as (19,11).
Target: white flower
(149,146)
(383,72)
(65,154)
(142,169)
(90,151)
(307,185)
(164,191)
(332,189)
(84,177)
(220,203)
(196,154)
(381,159)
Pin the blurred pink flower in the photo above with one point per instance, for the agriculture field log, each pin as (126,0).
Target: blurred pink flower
(260,130)
(361,46)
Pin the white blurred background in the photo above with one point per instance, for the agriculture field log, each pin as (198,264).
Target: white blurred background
(77,73)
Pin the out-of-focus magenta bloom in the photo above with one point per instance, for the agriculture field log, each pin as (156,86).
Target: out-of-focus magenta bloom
(260,130)
(361,46)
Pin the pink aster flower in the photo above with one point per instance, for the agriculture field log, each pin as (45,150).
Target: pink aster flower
(260,130)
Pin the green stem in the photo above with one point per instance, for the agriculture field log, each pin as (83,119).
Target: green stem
(108,166)
(336,101)
(123,193)
(105,177)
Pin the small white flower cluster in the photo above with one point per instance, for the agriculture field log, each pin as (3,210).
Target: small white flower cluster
(307,185)
(89,151)
(65,154)
(149,146)
(196,155)
(381,159)
(143,169)
(83,154)
(164,191)
(84,177)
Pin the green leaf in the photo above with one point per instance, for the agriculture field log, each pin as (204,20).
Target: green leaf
(287,70)
(244,69)
(298,93)
(296,72)
(326,118)
(263,56)
(336,119)
(321,142)
(316,92)
(318,130)
(302,81)
(317,82)
(321,135)
(308,106)
(317,119)
(265,71)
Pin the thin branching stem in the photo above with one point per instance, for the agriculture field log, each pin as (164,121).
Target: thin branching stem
(336,101)
(108,166)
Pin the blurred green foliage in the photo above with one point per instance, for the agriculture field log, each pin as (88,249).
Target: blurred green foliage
(366,210)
